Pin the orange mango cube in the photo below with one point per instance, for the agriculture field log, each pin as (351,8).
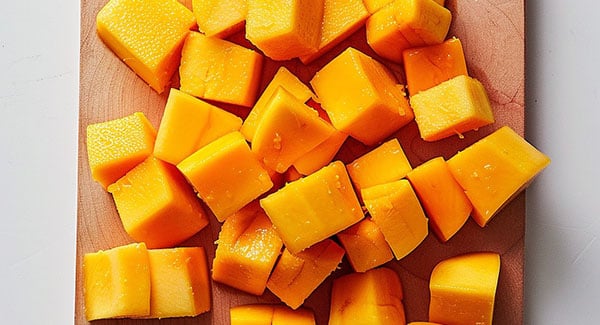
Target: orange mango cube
(219,18)
(365,245)
(313,208)
(260,314)
(156,205)
(295,277)
(495,169)
(451,108)
(219,70)
(147,36)
(321,155)
(358,92)
(115,147)
(188,124)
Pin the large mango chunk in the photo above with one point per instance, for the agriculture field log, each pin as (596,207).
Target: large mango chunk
(270,315)
(219,18)
(365,245)
(146,35)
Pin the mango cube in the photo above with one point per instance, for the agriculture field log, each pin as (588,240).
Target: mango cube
(270,315)
(313,208)
(116,282)
(365,245)
(147,36)
(321,155)
(495,169)
(219,70)
(358,92)
(451,108)
(218,18)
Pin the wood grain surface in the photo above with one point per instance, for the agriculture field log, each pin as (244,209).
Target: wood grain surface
(492,33)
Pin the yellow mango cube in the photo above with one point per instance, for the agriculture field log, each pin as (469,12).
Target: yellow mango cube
(451,108)
(357,93)
(218,18)
(219,70)
(284,30)
(226,174)
(147,36)
(321,155)
(263,314)
(156,205)
(312,208)
(116,282)
(365,245)
(495,169)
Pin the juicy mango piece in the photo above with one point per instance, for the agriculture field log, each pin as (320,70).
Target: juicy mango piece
(146,35)
(369,298)
(395,208)
(431,65)
(463,289)
(358,92)
(270,315)
(321,155)
(365,245)
(452,107)
(116,282)
(315,207)
(284,30)
(495,169)
(442,197)
(218,18)
(226,174)
(115,147)
(219,70)
(295,277)
(247,249)
(188,124)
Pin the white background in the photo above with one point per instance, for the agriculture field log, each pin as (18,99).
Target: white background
(39,42)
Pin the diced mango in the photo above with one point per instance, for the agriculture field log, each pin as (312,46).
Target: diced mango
(188,124)
(147,36)
(451,108)
(285,316)
(219,18)
(370,298)
(284,30)
(156,205)
(288,130)
(219,70)
(226,174)
(431,65)
(247,249)
(115,147)
(374,5)
(395,208)
(116,282)
(315,207)
(423,323)
(321,155)
(295,277)
(495,169)
(365,245)
(180,284)
(357,93)
(463,289)
(442,197)
(270,315)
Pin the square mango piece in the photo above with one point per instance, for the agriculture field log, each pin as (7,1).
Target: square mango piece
(147,35)
(156,205)
(365,245)
(220,18)
(116,282)
(115,147)
(359,93)
(453,107)
(310,209)
(219,70)
(226,174)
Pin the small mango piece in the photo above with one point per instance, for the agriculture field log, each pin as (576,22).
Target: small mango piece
(358,92)
(114,147)
(442,197)
(495,169)
(116,282)
(370,298)
(188,124)
(451,108)
(365,245)
(156,205)
(312,208)
(321,155)
(423,323)
(396,210)
(219,70)
(295,277)
(218,18)
(284,30)
(463,289)
(262,314)
(226,174)
(431,65)
(147,36)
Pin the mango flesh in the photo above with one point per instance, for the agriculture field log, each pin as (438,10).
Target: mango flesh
(365,245)
(259,314)
(218,18)
(321,155)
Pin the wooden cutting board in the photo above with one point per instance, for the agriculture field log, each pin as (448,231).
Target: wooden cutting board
(492,33)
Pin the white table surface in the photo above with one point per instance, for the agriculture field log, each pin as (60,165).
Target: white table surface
(39,42)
